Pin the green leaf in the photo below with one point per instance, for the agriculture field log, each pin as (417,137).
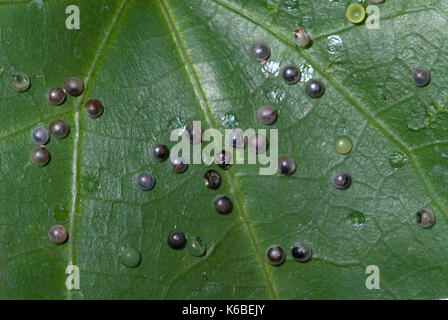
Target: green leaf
(152,62)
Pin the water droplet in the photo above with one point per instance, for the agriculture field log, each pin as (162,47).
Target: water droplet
(229,120)
(130,257)
(196,247)
(356,219)
(306,71)
(355,13)
(222,204)
(271,69)
(57,234)
(397,160)
(40,135)
(19,82)
(343,145)
(176,239)
(291,5)
(301,252)
(425,218)
(276,94)
(145,181)
(177,123)
(275,255)
(334,44)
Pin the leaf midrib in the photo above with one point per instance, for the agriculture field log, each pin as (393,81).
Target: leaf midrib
(212,123)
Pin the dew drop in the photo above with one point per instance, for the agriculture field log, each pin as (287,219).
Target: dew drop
(275,255)
(306,71)
(343,145)
(130,257)
(356,220)
(334,44)
(398,160)
(40,135)
(425,218)
(196,247)
(177,123)
(355,13)
(19,82)
(291,5)
(229,120)
(301,252)
(276,94)
(271,69)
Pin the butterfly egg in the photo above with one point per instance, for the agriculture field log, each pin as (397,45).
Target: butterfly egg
(301,252)
(59,129)
(257,143)
(222,204)
(212,179)
(40,135)
(57,234)
(355,13)
(426,218)
(275,255)
(55,96)
(93,108)
(342,145)
(177,164)
(421,77)
(223,159)
(176,239)
(145,181)
(300,37)
(160,152)
(341,180)
(195,133)
(314,88)
(236,139)
(39,156)
(266,115)
(291,74)
(260,52)
(376,1)
(196,247)
(130,257)
(73,86)
(19,82)
(286,165)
